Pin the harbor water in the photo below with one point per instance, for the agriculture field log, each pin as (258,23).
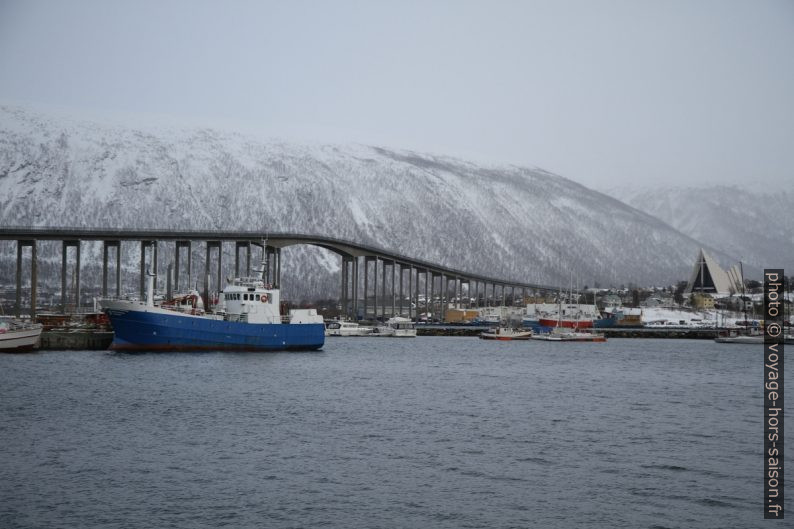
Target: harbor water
(436,432)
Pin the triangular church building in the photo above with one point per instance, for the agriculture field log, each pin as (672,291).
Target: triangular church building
(707,276)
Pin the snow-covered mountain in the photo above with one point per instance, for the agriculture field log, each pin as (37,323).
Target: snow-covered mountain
(755,226)
(507,221)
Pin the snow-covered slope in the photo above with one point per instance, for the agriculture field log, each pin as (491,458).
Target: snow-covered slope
(752,225)
(513,222)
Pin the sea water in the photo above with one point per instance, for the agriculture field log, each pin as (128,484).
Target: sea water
(444,432)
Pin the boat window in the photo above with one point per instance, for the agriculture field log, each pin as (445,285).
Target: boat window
(257,297)
(245,297)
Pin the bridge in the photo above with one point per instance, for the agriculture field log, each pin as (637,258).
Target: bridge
(357,260)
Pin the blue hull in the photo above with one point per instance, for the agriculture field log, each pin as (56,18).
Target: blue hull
(146,331)
(607,322)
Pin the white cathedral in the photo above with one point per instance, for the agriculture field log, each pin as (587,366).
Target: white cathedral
(708,277)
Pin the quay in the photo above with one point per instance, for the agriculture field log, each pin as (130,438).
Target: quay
(75,340)
(609,332)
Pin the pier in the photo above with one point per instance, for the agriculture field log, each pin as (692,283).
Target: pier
(375,282)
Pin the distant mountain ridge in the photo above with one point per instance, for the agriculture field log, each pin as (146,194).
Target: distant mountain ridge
(521,223)
(754,226)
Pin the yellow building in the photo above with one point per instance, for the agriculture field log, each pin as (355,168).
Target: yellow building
(460,315)
(702,301)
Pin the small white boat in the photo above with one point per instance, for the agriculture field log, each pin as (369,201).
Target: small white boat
(17,336)
(560,334)
(402,327)
(746,337)
(396,327)
(382,331)
(505,333)
(347,328)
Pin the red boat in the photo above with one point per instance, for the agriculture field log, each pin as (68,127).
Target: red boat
(568,323)
(570,316)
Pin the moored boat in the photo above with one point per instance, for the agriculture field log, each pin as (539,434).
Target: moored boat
(505,333)
(609,318)
(570,315)
(743,337)
(396,327)
(249,320)
(401,327)
(347,328)
(559,334)
(19,336)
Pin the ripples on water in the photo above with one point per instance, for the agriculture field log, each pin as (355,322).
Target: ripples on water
(378,433)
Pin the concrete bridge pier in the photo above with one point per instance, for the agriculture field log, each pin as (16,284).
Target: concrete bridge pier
(277,279)
(375,289)
(366,287)
(433,277)
(177,251)
(105,246)
(152,245)
(64,248)
(33,277)
(428,276)
(410,291)
(270,268)
(393,300)
(355,287)
(237,246)
(400,300)
(342,293)
(219,278)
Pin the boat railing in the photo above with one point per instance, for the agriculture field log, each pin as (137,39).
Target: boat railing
(238,318)
(9,324)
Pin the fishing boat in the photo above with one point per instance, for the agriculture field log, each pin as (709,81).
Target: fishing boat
(347,328)
(505,333)
(609,318)
(571,315)
(248,319)
(17,335)
(560,334)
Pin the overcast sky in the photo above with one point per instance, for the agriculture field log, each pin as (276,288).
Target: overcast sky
(603,92)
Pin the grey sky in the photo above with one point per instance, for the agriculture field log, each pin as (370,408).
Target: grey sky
(599,91)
